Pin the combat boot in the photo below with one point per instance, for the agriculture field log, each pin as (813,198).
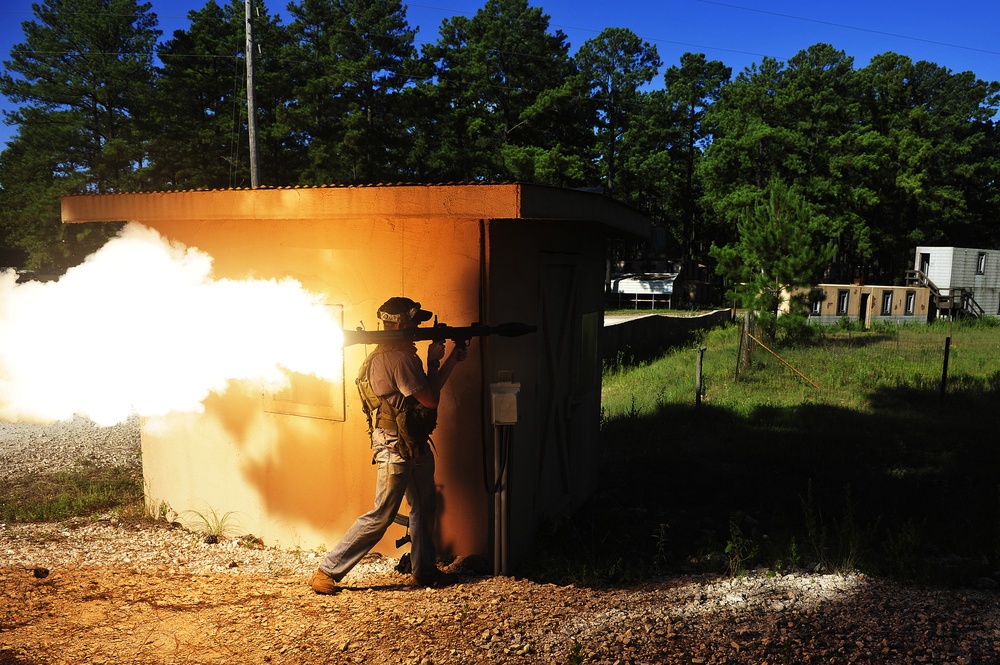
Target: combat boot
(323,583)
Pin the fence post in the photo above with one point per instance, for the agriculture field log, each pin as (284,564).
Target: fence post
(944,372)
(739,352)
(697,377)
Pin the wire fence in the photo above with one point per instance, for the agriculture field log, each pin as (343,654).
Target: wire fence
(851,361)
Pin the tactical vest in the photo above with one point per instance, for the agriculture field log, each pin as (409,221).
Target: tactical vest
(413,424)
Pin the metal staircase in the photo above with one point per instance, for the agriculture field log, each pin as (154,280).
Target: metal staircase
(957,301)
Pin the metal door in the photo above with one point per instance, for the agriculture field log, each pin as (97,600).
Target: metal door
(559,336)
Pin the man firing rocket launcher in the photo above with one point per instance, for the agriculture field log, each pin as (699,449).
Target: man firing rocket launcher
(439,332)
(400,403)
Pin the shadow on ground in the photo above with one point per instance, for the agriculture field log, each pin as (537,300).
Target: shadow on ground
(908,491)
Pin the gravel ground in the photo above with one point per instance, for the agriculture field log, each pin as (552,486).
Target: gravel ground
(25,447)
(113,591)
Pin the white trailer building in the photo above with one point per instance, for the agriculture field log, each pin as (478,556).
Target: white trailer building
(962,280)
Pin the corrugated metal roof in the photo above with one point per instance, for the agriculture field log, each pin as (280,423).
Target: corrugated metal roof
(326,186)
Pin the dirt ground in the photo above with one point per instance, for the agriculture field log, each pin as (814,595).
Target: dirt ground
(107,593)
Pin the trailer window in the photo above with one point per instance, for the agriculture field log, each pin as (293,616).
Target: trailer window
(886,302)
(843,298)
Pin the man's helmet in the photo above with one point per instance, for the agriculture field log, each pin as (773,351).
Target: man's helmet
(401,310)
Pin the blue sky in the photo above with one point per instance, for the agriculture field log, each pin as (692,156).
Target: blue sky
(961,37)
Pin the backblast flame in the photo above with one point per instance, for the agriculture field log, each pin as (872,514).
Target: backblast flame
(142,326)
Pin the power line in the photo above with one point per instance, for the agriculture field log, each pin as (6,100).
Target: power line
(705,47)
(416,42)
(849,27)
(549,24)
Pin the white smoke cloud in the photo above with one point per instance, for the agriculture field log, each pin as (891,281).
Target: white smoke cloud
(141,326)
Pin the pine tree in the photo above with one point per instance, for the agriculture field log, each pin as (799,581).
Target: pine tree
(350,63)
(928,158)
(664,147)
(198,112)
(506,104)
(781,245)
(198,129)
(82,79)
(615,65)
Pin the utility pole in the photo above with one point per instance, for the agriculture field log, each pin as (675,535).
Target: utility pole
(251,103)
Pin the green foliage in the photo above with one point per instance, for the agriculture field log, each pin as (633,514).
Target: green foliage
(161,511)
(352,62)
(740,549)
(89,63)
(815,530)
(198,125)
(506,103)
(902,548)
(796,329)
(857,145)
(82,79)
(690,91)
(780,246)
(615,65)
(789,560)
(922,158)
(661,558)
(579,552)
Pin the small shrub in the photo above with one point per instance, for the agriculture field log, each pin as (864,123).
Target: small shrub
(852,538)
(847,324)
(794,329)
(212,525)
(660,558)
(902,553)
(815,529)
(740,549)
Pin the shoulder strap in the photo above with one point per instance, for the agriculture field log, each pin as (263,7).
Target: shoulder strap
(376,409)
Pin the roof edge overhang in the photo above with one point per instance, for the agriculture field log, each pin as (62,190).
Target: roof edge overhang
(544,202)
(466,200)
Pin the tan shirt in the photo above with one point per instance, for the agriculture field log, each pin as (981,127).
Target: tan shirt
(395,375)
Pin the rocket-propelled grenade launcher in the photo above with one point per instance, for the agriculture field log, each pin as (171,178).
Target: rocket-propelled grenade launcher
(437,333)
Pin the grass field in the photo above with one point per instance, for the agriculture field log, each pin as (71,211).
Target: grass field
(853,460)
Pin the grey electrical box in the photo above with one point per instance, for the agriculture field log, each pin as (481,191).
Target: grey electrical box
(504,396)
